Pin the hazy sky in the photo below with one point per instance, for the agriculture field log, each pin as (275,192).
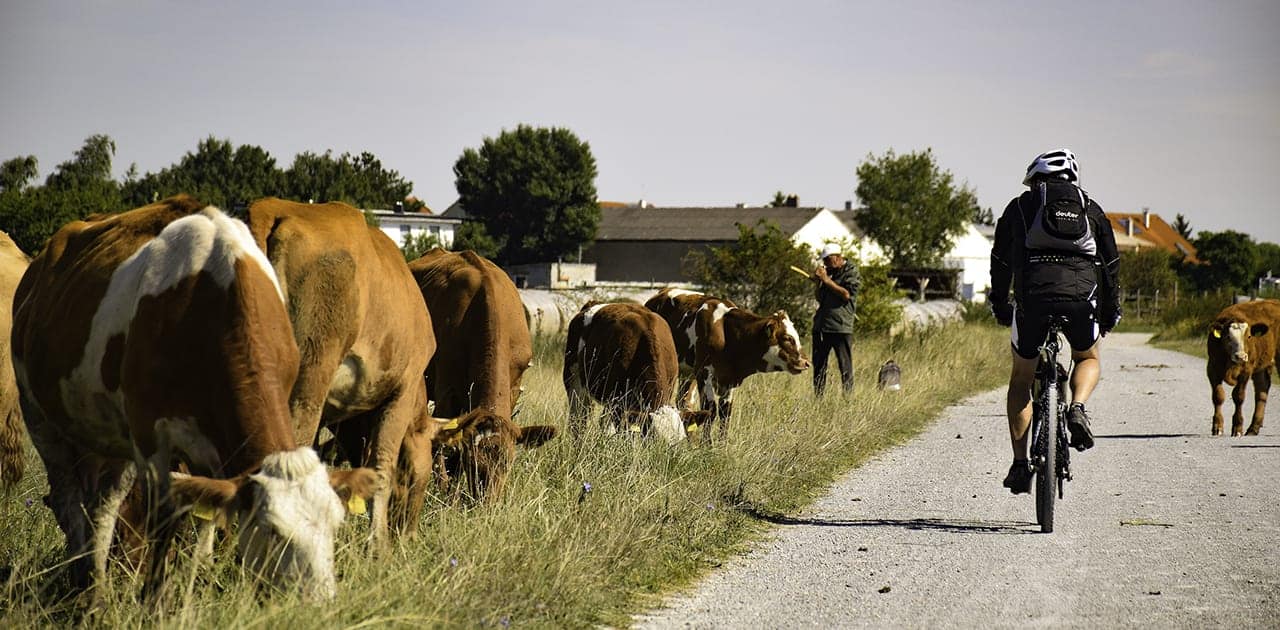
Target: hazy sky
(1170,105)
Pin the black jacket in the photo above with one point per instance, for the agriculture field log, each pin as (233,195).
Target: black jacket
(1073,278)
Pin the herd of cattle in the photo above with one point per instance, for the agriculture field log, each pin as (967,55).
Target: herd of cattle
(172,360)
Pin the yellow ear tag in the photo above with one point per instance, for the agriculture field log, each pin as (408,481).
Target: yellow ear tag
(449,426)
(635,428)
(355,504)
(1217,334)
(693,428)
(202,512)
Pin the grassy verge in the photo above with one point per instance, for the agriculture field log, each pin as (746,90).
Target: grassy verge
(589,531)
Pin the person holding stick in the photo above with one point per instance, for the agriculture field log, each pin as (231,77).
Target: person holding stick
(837,283)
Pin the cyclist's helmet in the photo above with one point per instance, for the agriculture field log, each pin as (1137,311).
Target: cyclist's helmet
(1059,163)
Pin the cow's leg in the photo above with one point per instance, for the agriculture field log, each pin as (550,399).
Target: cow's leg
(707,391)
(1261,389)
(391,423)
(153,474)
(413,476)
(70,478)
(1219,397)
(117,481)
(1237,397)
(579,398)
(724,408)
(322,338)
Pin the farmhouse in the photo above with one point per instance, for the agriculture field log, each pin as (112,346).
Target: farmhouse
(400,225)
(1138,230)
(647,244)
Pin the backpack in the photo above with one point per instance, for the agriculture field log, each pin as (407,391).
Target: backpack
(1060,223)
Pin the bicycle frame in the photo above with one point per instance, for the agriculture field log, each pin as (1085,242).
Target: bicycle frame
(1048,427)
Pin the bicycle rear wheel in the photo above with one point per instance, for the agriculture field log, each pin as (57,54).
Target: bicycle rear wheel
(1047,458)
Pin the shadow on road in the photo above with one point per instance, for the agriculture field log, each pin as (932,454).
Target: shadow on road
(919,524)
(1255,446)
(1143,436)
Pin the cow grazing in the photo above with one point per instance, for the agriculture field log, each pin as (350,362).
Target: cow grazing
(720,345)
(622,355)
(156,336)
(1243,345)
(483,349)
(364,338)
(12,264)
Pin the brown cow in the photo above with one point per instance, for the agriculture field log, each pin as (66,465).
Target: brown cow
(364,337)
(1243,345)
(156,336)
(483,349)
(12,263)
(622,355)
(720,345)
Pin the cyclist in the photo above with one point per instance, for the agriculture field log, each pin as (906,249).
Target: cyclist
(1057,248)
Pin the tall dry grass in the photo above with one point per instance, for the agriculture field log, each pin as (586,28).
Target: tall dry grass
(589,531)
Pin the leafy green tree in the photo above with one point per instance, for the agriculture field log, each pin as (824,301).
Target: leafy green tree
(90,166)
(76,189)
(781,200)
(415,245)
(755,273)
(472,235)
(1181,226)
(358,180)
(16,173)
(913,209)
(1147,271)
(534,190)
(216,173)
(1268,260)
(1230,259)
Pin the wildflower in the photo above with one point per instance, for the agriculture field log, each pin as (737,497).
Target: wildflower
(29,502)
(505,621)
(453,562)
(711,506)
(586,489)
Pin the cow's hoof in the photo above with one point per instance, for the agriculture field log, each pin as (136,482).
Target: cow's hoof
(1251,431)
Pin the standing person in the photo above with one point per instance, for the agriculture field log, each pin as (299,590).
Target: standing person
(837,294)
(1056,246)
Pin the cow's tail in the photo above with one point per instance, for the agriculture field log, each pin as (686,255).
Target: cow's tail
(11,459)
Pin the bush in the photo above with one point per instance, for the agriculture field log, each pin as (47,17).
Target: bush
(878,310)
(1192,315)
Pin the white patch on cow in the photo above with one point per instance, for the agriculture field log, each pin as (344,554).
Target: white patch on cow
(209,242)
(286,536)
(718,314)
(590,313)
(1237,342)
(667,424)
(342,387)
(773,356)
(675,293)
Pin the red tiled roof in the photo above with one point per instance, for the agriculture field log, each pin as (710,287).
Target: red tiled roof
(1154,230)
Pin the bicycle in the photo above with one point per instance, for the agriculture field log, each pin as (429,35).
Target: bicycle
(1050,453)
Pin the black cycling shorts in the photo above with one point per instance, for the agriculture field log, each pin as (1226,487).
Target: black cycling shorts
(1031,326)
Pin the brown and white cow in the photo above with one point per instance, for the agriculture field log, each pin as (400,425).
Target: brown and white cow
(720,345)
(1243,345)
(12,264)
(622,355)
(483,349)
(364,338)
(156,336)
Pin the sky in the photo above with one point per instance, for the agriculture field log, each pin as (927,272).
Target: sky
(1172,106)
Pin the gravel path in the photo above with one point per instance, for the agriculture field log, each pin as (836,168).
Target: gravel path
(1162,526)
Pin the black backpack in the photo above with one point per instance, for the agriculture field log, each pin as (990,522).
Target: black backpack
(1060,223)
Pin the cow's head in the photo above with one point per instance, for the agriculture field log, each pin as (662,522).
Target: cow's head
(481,445)
(287,511)
(1232,335)
(783,350)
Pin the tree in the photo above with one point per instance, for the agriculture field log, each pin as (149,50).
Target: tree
(784,201)
(414,246)
(216,173)
(1268,260)
(911,207)
(1181,226)
(16,173)
(1147,271)
(358,180)
(534,191)
(472,235)
(1230,258)
(90,166)
(755,272)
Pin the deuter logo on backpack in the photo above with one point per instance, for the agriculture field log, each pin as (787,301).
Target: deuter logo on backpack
(1060,223)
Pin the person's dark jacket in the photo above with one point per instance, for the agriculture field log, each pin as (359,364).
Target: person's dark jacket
(836,314)
(1073,277)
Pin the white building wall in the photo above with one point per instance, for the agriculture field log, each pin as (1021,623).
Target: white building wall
(397,226)
(971,253)
(826,227)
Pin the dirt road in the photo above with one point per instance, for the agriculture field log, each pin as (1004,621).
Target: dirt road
(1162,526)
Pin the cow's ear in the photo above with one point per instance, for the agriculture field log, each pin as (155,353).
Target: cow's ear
(207,498)
(536,435)
(1259,329)
(1216,332)
(780,314)
(354,487)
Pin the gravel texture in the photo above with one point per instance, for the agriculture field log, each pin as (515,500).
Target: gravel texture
(1162,526)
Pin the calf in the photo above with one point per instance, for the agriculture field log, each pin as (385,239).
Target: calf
(483,350)
(622,355)
(1242,346)
(720,345)
(157,336)
(12,264)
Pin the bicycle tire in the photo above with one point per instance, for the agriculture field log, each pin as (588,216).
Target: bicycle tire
(1047,457)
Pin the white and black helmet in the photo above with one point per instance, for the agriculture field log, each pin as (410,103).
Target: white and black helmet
(1056,162)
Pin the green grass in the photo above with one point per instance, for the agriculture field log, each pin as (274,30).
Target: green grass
(1194,346)
(551,553)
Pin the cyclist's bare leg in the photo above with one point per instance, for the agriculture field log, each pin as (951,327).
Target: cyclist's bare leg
(1084,376)
(1018,402)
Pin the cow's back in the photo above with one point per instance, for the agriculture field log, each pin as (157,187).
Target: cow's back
(12,265)
(693,319)
(483,341)
(627,353)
